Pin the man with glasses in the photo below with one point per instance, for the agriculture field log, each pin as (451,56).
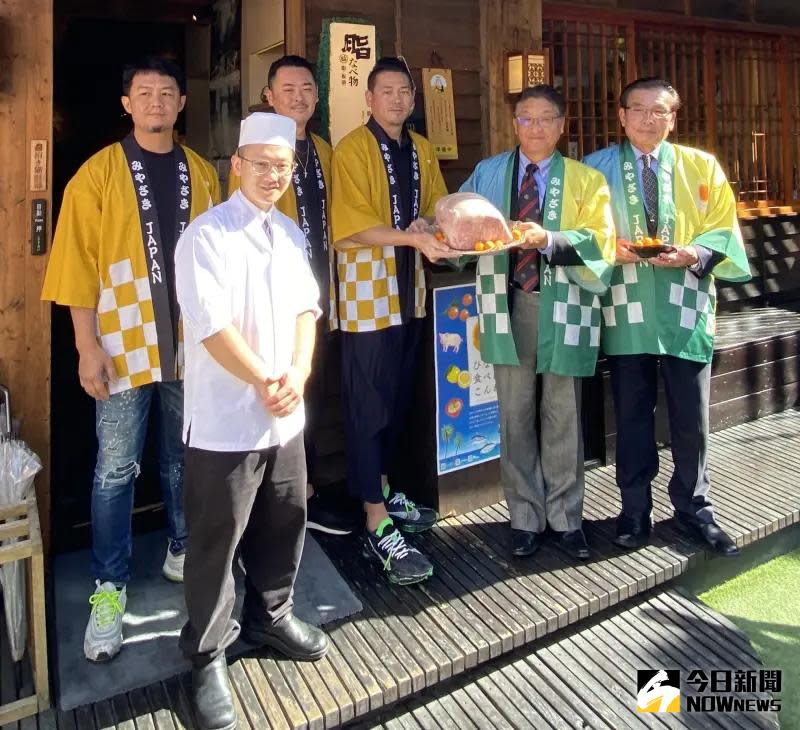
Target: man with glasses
(291,90)
(384,178)
(543,318)
(659,312)
(249,300)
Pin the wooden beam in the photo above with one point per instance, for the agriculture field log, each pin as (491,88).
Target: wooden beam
(161,11)
(26,54)
(506,25)
(294,25)
(787,182)
(398,27)
(565,11)
(710,93)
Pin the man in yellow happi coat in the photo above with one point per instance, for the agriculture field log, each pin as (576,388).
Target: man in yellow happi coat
(292,91)
(384,178)
(112,265)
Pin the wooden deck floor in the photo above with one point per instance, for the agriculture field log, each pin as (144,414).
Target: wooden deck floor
(588,679)
(479,605)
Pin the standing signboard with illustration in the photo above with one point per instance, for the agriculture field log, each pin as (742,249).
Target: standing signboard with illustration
(467,414)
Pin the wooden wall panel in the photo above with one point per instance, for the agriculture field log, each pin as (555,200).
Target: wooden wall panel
(26,52)
(446,33)
(505,26)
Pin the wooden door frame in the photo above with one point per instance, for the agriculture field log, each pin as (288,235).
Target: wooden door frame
(26,101)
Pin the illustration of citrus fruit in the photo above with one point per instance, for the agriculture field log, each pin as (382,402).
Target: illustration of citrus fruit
(452,374)
(476,336)
(464,379)
(466,300)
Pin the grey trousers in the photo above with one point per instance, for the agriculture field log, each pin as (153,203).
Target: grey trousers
(253,500)
(542,473)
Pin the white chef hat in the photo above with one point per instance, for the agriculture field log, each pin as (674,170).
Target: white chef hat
(264,128)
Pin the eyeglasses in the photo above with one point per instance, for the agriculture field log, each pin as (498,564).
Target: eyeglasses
(264,167)
(543,122)
(640,111)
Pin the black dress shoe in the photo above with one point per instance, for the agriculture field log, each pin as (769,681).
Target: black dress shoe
(709,535)
(632,533)
(211,696)
(291,637)
(573,542)
(524,543)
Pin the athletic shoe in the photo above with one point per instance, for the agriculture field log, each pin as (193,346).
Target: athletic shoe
(324,516)
(173,562)
(402,563)
(103,638)
(409,516)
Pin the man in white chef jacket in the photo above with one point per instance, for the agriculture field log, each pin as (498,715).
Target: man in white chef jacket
(249,303)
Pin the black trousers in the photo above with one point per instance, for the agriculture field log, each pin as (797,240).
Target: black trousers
(315,396)
(252,500)
(378,372)
(634,387)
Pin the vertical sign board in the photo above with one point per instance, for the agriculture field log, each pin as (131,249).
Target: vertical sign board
(467,413)
(440,115)
(352,56)
(38,226)
(38,174)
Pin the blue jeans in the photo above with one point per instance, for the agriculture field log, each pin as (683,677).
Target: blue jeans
(121,425)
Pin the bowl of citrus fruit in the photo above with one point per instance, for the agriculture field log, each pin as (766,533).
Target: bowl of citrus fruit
(481,248)
(648,247)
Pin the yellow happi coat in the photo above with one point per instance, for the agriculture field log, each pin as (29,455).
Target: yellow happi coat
(288,206)
(98,260)
(368,291)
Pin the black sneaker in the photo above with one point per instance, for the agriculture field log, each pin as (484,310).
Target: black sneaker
(403,564)
(323,516)
(409,516)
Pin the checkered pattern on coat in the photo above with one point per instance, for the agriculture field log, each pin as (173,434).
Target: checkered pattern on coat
(369,299)
(127,329)
(578,310)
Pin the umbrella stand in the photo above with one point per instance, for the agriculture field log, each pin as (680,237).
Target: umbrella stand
(21,544)
(22,522)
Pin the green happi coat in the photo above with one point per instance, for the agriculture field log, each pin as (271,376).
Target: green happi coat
(669,311)
(576,204)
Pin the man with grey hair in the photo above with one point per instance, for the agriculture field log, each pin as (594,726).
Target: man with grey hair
(249,300)
(677,231)
(544,319)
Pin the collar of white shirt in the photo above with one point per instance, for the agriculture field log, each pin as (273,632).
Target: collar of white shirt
(256,218)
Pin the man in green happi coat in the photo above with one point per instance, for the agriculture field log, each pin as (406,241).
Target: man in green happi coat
(661,312)
(539,312)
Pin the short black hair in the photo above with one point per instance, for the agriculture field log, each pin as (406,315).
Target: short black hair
(649,83)
(389,63)
(546,92)
(160,65)
(290,61)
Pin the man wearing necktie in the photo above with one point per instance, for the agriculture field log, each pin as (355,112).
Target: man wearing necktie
(546,319)
(659,313)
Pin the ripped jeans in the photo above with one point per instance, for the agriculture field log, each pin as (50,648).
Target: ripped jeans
(121,424)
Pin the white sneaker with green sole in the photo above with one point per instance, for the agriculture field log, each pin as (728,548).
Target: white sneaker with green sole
(103,638)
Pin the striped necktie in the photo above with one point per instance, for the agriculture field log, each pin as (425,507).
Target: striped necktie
(650,191)
(526,272)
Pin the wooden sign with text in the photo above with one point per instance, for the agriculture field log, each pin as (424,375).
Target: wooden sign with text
(440,112)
